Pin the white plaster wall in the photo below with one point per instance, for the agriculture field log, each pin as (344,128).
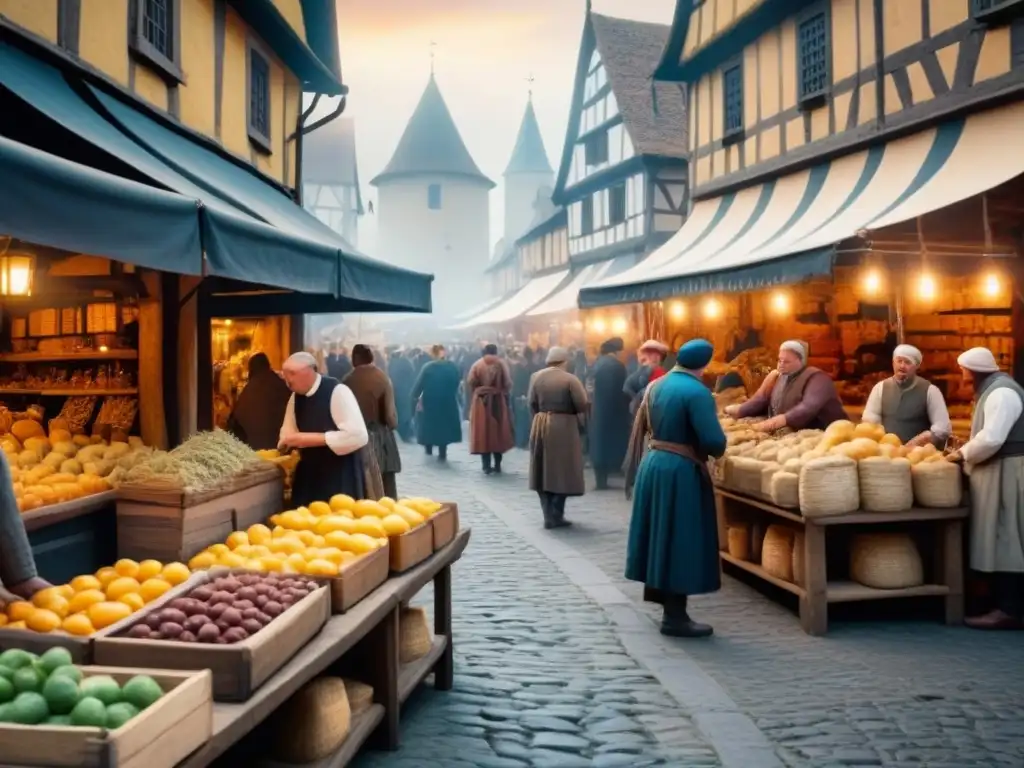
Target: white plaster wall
(520,196)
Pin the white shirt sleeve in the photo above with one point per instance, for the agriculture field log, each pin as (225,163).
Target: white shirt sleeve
(351,434)
(1002,409)
(938,415)
(288,426)
(873,407)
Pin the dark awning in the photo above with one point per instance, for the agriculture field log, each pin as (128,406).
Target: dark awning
(50,201)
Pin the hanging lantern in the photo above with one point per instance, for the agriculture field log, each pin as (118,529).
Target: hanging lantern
(16,274)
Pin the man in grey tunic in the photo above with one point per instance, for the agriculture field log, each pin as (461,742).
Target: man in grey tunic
(994,459)
(908,406)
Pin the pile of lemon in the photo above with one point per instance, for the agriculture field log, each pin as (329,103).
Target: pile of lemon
(94,601)
(318,540)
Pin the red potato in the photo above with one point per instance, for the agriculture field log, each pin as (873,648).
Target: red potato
(222,596)
(242,605)
(171,630)
(141,631)
(235,635)
(194,623)
(203,594)
(216,610)
(172,616)
(273,609)
(232,617)
(252,626)
(208,633)
(186,637)
(247,593)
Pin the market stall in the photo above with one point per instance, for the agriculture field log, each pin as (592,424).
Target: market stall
(845,515)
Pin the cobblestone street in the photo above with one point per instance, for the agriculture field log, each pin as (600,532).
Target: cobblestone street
(559,662)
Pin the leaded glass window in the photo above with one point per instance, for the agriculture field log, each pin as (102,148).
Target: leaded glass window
(812,46)
(732,87)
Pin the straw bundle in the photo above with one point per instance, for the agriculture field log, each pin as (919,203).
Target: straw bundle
(829,486)
(414,635)
(885,484)
(360,696)
(885,561)
(312,723)
(739,541)
(785,490)
(777,552)
(937,484)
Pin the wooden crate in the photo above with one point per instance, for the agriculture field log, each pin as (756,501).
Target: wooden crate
(359,578)
(238,669)
(176,526)
(159,737)
(445,523)
(412,548)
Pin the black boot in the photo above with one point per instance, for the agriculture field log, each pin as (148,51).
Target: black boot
(676,622)
(429,449)
(545,507)
(485,462)
(497,463)
(558,511)
(601,476)
(442,453)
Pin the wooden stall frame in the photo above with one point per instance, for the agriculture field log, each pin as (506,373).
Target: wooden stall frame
(816,593)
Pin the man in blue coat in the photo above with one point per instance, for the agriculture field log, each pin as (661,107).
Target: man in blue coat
(609,416)
(435,398)
(673,533)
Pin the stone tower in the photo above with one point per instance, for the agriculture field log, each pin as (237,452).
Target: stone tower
(528,173)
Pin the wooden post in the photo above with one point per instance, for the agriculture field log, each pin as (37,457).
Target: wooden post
(296,334)
(444,668)
(187,360)
(204,361)
(152,417)
(814,601)
(950,567)
(384,672)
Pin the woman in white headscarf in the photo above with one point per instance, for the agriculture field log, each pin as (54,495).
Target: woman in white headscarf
(908,406)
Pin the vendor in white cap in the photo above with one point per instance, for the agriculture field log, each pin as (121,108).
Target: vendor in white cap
(908,406)
(994,459)
(796,395)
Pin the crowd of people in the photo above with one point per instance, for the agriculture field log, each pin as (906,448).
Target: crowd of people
(644,416)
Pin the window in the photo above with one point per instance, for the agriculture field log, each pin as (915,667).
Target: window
(259,99)
(732,108)
(595,148)
(434,197)
(156,36)
(813,53)
(617,204)
(996,10)
(587,207)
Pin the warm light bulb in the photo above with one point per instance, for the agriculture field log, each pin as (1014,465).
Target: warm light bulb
(992,286)
(619,325)
(104,348)
(872,281)
(600,325)
(780,302)
(228,321)
(19,280)
(678,310)
(712,309)
(926,287)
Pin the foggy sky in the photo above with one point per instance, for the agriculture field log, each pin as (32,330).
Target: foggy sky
(483,54)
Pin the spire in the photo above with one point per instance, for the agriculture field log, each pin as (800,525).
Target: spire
(529,155)
(431,144)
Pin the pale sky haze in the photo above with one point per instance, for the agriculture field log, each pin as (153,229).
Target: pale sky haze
(484,52)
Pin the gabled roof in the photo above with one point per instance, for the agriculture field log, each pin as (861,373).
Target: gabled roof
(529,155)
(329,157)
(431,144)
(653,113)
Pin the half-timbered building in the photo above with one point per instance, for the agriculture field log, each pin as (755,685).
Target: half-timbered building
(330,178)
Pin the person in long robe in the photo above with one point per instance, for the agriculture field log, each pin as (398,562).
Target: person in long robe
(610,420)
(673,533)
(372,390)
(338,363)
(651,356)
(490,423)
(795,395)
(994,461)
(558,403)
(435,398)
(258,412)
(907,405)
(323,421)
(19,579)
(403,376)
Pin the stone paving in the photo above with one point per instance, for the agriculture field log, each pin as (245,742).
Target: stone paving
(873,693)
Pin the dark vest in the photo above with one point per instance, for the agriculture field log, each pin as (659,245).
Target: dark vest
(1014,445)
(321,473)
(905,409)
(793,394)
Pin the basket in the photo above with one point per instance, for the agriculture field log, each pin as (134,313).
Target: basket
(414,635)
(360,696)
(799,573)
(785,490)
(777,552)
(768,471)
(885,484)
(739,542)
(829,486)
(885,561)
(312,723)
(746,475)
(937,484)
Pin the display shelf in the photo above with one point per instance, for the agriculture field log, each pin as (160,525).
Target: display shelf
(852,592)
(51,514)
(413,673)
(65,357)
(761,573)
(75,392)
(361,728)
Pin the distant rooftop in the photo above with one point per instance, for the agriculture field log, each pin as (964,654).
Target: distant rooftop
(529,155)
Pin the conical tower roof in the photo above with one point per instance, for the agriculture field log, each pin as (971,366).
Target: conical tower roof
(529,155)
(431,144)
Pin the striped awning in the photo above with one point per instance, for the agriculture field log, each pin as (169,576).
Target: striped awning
(785,230)
(526,298)
(564,299)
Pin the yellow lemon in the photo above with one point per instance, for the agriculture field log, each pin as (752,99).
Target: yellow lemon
(122,586)
(412,517)
(254,564)
(275,520)
(387,502)
(104,614)
(78,624)
(16,625)
(20,610)
(337,539)
(245,550)
(297,562)
(371,526)
(258,534)
(333,554)
(82,600)
(83,583)
(43,596)
(149,569)
(279,531)
(237,539)
(219,549)
(231,560)
(260,551)
(43,620)
(360,543)
(287,546)
(321,568)
(341,501)
(296,521)
(307,538)
(126,567)
(272,564)
(330,523)
(320,508)
(395,525)
(107,574)
(367,507)
(133,600)
(202,561)
(348,557)
(66,591)
(151,589)
(175,573)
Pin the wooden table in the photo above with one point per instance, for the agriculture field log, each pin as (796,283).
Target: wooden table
(376,616)
(817,592)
